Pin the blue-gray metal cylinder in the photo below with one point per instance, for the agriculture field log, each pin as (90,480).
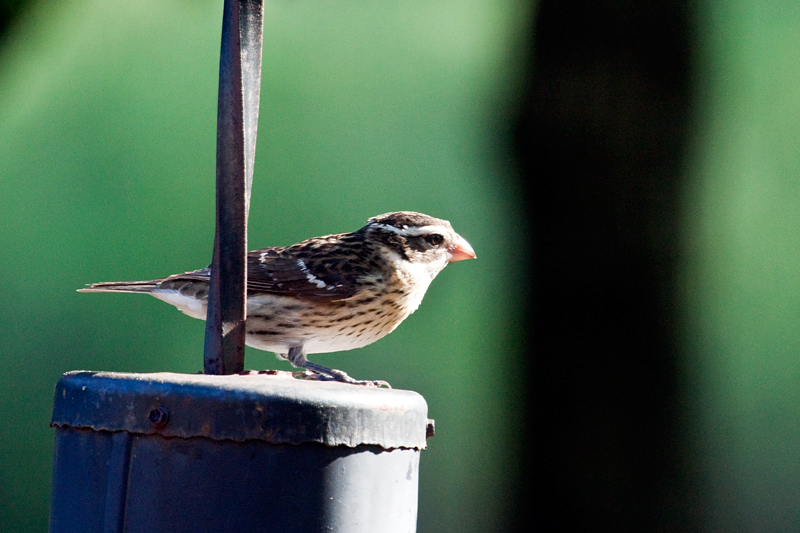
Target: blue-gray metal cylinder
(196,453)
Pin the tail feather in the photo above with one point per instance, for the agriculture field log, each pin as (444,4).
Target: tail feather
(123,286)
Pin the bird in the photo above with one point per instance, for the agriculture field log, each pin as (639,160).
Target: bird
(326,294)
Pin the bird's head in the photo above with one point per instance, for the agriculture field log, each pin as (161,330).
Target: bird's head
(421,239)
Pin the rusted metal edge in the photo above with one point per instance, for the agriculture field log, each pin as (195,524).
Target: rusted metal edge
(241,407)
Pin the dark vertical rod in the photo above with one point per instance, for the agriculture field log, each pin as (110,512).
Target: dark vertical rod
(237,123)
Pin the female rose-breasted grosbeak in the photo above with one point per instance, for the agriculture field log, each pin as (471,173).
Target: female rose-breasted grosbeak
(326,294)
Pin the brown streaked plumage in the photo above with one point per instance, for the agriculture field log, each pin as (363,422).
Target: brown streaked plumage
(326,294)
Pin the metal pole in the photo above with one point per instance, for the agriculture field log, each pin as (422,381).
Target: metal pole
(245,453)
(237,123)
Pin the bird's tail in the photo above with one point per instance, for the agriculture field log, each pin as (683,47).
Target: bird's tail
(123,286)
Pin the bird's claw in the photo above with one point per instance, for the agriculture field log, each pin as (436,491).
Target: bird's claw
(337,375)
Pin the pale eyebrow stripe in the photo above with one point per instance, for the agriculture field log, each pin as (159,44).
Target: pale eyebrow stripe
(415,232)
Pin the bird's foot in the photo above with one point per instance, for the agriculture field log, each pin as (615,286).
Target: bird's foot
(268,372)
(323,373)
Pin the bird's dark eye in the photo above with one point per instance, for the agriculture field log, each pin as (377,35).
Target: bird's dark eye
(434,239)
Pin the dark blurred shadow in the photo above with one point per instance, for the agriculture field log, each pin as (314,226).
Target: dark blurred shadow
(600,143)
(9,10)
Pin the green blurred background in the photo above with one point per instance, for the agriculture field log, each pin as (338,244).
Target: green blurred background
(107,138)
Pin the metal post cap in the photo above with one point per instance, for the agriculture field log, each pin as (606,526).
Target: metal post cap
(271,408)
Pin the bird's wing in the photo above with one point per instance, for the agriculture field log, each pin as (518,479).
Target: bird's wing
(299,272)
(306,271)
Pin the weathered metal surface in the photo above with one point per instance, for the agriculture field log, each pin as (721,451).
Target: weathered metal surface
(269,408)
(255,452)
(237,124)
(118,481)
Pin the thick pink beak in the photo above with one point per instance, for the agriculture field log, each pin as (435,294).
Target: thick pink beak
(460,250)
